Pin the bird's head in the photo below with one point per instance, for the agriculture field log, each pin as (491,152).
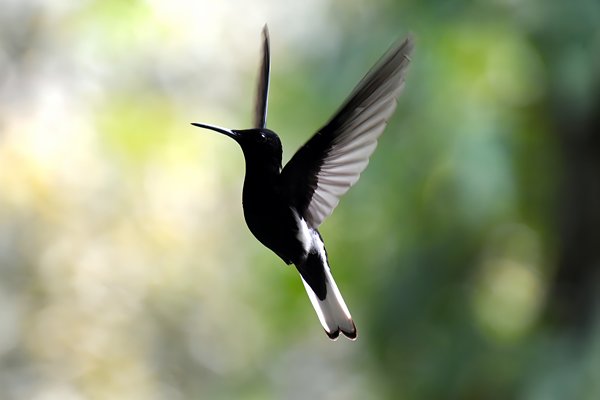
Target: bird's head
(258,144)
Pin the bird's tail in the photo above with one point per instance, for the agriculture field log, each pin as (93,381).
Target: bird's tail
(327,300)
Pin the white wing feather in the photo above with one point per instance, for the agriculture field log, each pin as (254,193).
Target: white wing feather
(350,151)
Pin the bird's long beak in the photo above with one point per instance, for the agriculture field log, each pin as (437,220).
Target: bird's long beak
(225,131)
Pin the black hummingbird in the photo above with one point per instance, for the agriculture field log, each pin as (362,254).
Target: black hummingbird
(284,207)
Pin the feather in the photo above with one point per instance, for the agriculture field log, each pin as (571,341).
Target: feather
(323,170)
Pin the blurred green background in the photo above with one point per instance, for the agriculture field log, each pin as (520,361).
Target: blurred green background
(469,253)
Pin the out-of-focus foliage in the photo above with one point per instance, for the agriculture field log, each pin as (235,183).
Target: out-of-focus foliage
(468,252)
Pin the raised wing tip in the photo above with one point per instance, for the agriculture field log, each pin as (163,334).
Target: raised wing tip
(262,92)
(408,44)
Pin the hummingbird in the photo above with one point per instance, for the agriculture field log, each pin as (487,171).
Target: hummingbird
(284,207)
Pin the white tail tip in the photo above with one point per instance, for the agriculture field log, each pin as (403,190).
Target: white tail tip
(332,311)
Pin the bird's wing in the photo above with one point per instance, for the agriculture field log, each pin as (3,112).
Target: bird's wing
(262,90)
(323,170)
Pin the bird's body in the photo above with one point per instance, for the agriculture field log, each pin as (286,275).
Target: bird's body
(284,207)
(267,212)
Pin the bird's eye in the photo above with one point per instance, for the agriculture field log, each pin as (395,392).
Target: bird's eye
(263,137)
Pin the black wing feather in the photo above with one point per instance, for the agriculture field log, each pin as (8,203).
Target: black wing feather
(262,90)
(323,170)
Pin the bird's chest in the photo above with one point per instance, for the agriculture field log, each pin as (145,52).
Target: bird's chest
(273,223)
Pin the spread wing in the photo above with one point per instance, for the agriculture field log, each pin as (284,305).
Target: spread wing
(323,170)
(262,90)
